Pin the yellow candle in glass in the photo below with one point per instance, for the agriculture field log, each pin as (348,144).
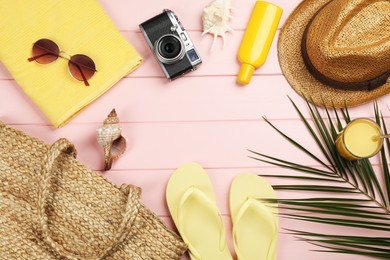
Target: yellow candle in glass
(359,139)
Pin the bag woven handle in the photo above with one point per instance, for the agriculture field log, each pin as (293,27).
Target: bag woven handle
(132,206)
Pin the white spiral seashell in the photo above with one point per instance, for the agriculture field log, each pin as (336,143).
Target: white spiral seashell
(216,16)
(108,133)
(110,137)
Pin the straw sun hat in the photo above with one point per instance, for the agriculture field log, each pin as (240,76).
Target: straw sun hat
(337,50)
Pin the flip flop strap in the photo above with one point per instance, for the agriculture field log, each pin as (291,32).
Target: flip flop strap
(187,194)
(273,248)
(259,207)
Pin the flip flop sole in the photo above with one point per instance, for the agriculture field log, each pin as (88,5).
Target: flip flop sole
(196,215)
(255,222)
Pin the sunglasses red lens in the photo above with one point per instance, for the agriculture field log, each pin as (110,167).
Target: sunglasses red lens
(45,51)
(81,67)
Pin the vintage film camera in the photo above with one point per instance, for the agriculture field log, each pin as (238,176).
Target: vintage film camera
(170,44)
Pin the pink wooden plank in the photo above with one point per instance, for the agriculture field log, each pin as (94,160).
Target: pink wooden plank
(187,99)
(213,144)
(167,145)
(127,15)
(153,183)
(4,73)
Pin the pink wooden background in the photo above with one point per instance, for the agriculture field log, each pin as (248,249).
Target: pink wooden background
(204,117)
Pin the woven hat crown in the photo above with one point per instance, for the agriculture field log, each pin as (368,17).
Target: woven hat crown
(349,41)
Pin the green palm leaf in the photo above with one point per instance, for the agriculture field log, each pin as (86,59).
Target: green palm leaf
(347,193)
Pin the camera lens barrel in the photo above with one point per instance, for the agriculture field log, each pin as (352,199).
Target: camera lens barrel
(169,49)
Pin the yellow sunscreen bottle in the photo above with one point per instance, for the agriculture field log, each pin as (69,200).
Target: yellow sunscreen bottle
(257,39)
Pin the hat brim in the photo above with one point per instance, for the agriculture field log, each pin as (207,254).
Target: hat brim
(296,73)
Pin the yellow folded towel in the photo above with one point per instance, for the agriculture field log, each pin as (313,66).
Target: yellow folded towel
(77,27)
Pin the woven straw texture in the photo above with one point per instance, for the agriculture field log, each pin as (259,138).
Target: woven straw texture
(351,46)
(348,41)
(53,207)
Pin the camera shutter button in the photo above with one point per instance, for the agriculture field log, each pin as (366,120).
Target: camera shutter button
(183,36)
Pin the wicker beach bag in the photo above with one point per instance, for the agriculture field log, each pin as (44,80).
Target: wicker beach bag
(53,207)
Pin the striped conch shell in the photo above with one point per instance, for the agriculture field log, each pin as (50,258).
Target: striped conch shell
(216,16)
(110,137)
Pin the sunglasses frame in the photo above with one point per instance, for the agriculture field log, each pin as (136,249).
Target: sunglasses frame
(57,55)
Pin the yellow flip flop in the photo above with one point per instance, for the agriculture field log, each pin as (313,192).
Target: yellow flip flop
(194,210)
(255,222)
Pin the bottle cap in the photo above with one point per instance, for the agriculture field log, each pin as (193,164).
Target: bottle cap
(246,71)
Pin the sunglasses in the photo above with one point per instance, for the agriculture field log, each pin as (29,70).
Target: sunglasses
(81,67)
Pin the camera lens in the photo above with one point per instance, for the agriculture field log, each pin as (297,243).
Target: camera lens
(169,49)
